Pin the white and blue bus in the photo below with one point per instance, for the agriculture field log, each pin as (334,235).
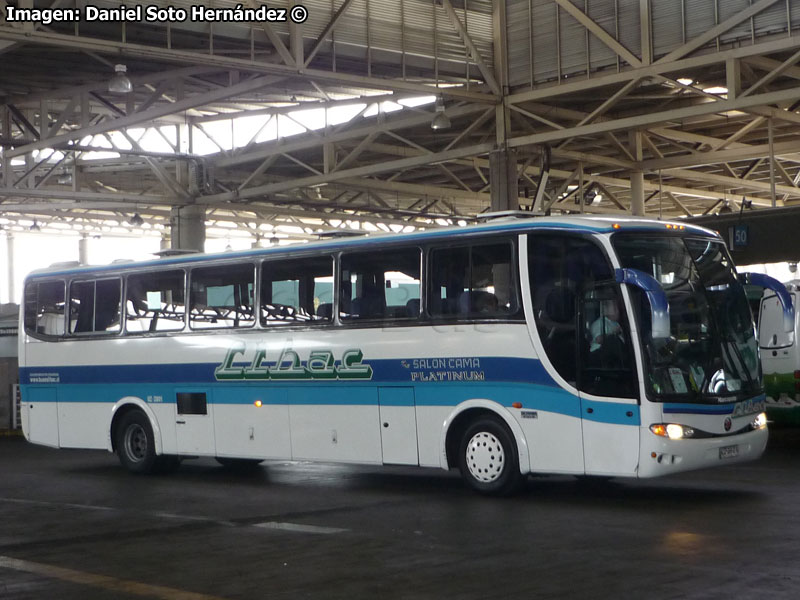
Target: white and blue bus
(574,345)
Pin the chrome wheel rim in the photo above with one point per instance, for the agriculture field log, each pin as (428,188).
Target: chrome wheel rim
(485,457)
(136,443)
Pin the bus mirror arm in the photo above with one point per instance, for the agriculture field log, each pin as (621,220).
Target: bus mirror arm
(776,286)
(659,306)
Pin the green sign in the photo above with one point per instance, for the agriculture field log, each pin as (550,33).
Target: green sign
(320,364)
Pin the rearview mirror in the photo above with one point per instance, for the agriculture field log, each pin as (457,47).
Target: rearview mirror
(659,306)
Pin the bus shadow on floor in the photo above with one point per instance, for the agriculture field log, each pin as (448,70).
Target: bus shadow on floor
(409,481)
(653,494)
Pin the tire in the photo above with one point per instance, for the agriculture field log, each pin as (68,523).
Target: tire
(135,444)
(239,464)
(488,458)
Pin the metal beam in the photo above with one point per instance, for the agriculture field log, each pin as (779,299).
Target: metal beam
(774,74)
(533,170)
(727,24)
(389,124)
(719,156)
(393,165)
(600,33)
(658,68)
(325,32)
(148,115)
(227,62)
(666,116)
(488,76)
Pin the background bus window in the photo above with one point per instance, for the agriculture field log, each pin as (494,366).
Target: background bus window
(94,306)
(298,290)
(44,307)
(155,302)
(473,282)
(222,297)
(380,285)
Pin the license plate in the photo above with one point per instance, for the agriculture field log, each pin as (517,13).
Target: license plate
(728,451)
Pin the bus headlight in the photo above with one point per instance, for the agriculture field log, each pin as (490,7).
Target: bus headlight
(760,422)
(672,431)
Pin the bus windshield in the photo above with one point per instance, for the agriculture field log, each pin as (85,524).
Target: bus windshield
(711,354)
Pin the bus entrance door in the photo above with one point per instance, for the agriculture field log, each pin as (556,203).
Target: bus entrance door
(608,385)
(194,424)
(398,421)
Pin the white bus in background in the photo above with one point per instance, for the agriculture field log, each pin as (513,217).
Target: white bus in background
(780,356)
(577,345)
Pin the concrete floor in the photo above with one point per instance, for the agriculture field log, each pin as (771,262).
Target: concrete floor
(75,525)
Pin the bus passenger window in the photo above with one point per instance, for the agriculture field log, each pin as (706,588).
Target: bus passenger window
(94,306)
(297,291)
(222,297)
(381,285)
(44,307)
(155,302)
(473,282)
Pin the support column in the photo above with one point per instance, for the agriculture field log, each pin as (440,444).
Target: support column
(10,266)
(637,176)
(503,179)
(83,249)
(502,160)
(5,123)
(733,77)
(187,228)
(637,193)
(771,139)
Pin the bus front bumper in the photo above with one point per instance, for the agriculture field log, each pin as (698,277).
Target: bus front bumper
(661,456)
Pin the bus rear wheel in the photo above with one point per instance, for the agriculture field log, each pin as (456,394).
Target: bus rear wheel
(134,443)
(488,458)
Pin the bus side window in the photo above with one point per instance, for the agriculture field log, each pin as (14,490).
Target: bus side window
(473,282)
(222,297)
(380,285)
(94,306)
(296,291)
(44,307)
(155,302)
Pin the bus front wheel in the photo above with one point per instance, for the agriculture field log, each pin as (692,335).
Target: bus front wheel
(134,443)
(488,458)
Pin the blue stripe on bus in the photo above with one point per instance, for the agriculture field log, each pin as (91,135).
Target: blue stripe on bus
(616,413)
(699,409)
(489,369)
(532,397)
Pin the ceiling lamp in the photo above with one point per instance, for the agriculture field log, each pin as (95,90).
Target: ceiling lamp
(725,209)
(119,83)
(137,220)
(440,120)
